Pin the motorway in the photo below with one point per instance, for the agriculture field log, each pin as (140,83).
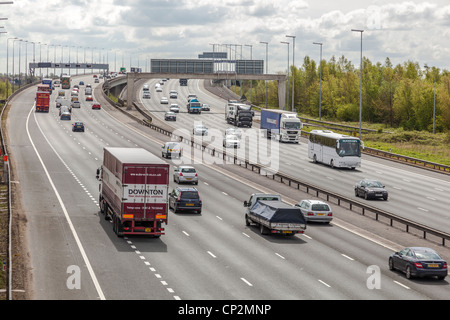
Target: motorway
(201,257)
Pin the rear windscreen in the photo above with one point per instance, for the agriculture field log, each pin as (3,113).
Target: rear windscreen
(189,195)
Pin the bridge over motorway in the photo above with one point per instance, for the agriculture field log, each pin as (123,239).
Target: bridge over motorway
(131,78)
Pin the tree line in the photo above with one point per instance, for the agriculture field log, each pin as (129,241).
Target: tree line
(397,96)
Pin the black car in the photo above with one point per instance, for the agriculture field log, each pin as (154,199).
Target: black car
(78,126)
(419,262)
(185,199)
(370,189)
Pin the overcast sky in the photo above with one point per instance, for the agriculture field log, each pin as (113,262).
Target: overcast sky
(413,30)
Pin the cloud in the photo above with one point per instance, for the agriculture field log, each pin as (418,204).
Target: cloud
(185,28)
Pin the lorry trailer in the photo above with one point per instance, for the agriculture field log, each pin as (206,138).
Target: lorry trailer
(134,191)
(275,217)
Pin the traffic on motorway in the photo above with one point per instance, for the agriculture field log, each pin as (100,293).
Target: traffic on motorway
(152,186)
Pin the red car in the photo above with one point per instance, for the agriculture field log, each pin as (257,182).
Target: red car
(96,106)
(89,98)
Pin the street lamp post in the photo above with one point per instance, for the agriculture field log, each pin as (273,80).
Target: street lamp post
(267,66)
(7,66)
(287,89)
(360,83)
(320,78)
(251,81)
(434,99)
(293,70)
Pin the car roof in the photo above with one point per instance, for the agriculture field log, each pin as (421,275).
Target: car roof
(186,167)
(187,189)
(315,201)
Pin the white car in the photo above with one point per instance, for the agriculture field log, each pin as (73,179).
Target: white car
(200,129)
(158,89)
(231,141)
(174,107)
(164,100)
(233,131)
(315,210)
(173,94)
(146,95)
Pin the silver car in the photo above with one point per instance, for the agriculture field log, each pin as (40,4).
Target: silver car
(185,174)
(315,210)
(200,129)
(233,131)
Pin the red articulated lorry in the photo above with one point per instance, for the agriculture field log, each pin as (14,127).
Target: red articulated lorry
(134,191)
(42,100)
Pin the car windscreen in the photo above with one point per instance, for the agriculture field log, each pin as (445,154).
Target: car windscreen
(427,255)
(188,170)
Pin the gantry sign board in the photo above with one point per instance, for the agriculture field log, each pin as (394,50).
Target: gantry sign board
(206,66)
(69,65)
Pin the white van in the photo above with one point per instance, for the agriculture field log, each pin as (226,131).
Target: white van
(171,150)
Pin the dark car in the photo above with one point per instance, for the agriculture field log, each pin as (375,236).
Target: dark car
(419,262)
(78,126)
(170,116)
(370,189)
(185,199)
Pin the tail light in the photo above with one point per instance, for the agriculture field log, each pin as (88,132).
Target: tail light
(310,214)
(418,265)
(444,265)
(196,175)
(181,174)
(330,214)
(179,197)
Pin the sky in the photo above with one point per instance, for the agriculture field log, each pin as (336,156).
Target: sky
(135,31)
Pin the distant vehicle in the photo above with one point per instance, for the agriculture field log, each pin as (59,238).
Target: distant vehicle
(170,116)
(281,125)
(88,90)
(173,94)
(238,114)
(42,103)
(185,174)
(183,82)
(81,83)
(315,210)
(174,107)
(171,150)
(370,189)
(205,107)
(89,98)
(200,129)
(233,131)
(65,116)
(231,141)
(159,89)
(78,126)
(186,198)
(274,216)
(96,80)
(146,95)
(419,262)
(145,87)
(194,106)
(164,100)
(57,83)
(96,106)
(65,81)
(61,93)
(191,96)
(75,104)
(336,150)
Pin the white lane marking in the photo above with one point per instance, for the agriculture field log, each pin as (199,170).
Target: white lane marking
(211,254)
(247,282)
(280,256)
(402,285)
(324,283)
(346,256)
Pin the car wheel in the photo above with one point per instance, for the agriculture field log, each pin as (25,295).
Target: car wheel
(366,196)
(332,164)
(315,159)
(247,220)
(356,193)
(385,198)
(408,273)
(391,264)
